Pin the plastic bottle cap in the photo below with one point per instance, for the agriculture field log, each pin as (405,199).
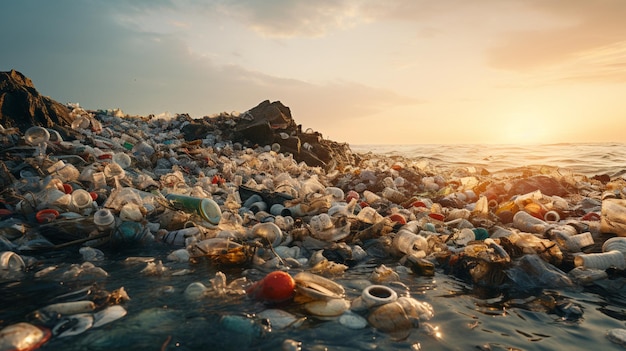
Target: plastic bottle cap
(67,188)
(418,204)
(46,215)
(437,216)
(396,217)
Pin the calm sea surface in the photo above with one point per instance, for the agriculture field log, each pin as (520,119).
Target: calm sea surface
(466,318)
(588,159)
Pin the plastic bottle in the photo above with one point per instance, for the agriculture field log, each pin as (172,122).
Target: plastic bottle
(576,242)
(601,260)
(410,243)
(528,223)
(129,232)
(393,195)
(103,219)
(613,216)
(205,207)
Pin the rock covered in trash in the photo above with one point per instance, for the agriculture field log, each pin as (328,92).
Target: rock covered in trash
(259,123)
(22,106)
(271,123)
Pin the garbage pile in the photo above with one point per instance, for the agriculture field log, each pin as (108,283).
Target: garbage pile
(295,211)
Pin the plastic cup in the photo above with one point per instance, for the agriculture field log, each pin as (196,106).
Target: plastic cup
(131,212)
(67,173)
(11,261)
(99,180)
(35,136)
(122,159)
(114,170)
(81,200)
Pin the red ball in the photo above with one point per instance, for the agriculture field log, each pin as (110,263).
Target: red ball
(277,286)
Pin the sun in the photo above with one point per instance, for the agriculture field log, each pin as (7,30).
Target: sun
(519,129)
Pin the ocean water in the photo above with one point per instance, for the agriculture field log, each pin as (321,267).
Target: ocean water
(466,317)
(585,158)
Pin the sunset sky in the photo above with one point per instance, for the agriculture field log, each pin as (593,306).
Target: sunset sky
(362,72)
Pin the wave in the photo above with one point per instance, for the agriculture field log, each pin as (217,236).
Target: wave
(585,158)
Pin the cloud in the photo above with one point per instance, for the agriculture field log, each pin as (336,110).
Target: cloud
(288,18)
(143,71)
(583,29)
(304,18)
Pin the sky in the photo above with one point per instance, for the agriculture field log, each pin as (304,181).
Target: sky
(361,72)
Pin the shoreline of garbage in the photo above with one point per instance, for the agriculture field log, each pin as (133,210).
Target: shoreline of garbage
(255,191)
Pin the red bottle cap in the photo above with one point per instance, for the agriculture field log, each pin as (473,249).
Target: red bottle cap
(437,216)
(67,188)
(398,218)
(46,215)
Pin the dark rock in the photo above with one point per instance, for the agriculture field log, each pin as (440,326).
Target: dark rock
(547,185)
(196,130)
(602,178)
(271,122)
(22,107)
(259,123)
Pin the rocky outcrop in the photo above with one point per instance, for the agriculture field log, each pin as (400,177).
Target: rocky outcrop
(268,123)
(21,105)
(271,123)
